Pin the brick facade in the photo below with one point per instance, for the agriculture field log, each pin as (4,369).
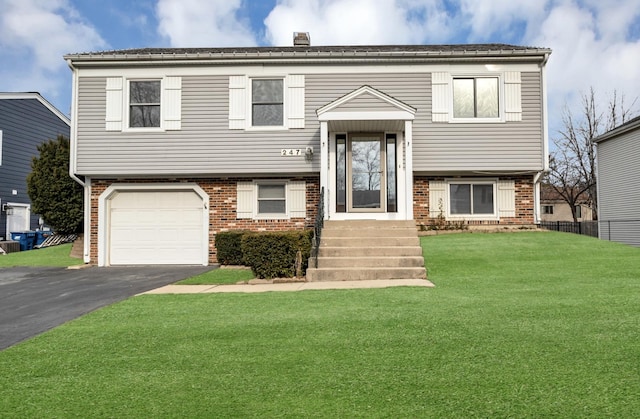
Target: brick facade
(525,202)
(222,207)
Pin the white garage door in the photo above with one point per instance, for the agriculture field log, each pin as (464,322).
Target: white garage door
(156,228)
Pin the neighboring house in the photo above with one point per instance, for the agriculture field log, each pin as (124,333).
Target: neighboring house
(618,162)
(554,208)
(26,121)
(174,145)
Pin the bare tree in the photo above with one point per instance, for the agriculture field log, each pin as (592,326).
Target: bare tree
(572,165)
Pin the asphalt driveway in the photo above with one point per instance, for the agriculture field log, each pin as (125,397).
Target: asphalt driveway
(33,300)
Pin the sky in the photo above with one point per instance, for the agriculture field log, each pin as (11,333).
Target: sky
(595,43)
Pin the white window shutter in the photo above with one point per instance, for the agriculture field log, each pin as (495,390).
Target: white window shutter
(437,198)
(238,102)
(295,101)
(506,198)
(440,96)
(172,103)
(297,199)
(114,105)
(245,199)
(512,96)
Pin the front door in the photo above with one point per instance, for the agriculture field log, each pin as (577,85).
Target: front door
(18,218)
(366,173)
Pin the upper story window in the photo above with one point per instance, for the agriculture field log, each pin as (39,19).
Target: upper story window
(489,97)
(144,104)
(267,102)
(475,97)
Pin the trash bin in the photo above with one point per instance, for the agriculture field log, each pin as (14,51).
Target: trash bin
(21,238)
(41,236)
(27,239)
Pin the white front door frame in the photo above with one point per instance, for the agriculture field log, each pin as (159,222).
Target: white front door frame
(404,177)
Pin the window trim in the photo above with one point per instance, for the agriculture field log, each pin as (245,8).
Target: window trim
(271,215)
(127,106)
(250,126)
(489,216)
(476,120)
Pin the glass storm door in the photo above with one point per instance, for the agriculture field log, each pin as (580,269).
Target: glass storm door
(366,180)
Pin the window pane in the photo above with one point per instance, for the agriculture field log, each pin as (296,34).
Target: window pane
(463,102)
(341,174)
(391,174)
(483,199)
(144,91)
(487,97)
(267,91)
(144,116)
(460,195)
(271,207)
(267,115)
(271,192)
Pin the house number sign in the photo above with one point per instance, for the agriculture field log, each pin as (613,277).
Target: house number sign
(290,152)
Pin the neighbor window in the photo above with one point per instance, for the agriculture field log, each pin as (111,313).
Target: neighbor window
(144,104)
(547,209)
(475,97)
(471,199)
(578,211)
(267,102)
(272,198)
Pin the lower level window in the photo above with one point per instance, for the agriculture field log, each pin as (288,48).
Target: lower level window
(471,199)
(547,209)
(272,199)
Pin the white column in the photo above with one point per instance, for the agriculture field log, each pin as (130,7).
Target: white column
(324,165)
(408,167)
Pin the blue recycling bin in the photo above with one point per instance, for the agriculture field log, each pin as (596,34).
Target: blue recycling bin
(21,237)
(27,239)
(41,236)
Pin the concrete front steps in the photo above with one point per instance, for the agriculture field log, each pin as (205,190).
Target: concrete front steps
(367,249)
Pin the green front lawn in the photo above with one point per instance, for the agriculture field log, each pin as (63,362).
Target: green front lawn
(219,276)
(519,325)
(48,256)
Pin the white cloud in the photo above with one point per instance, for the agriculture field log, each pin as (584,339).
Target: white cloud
(358,22)
(34,36)
(589,50)
(195,23)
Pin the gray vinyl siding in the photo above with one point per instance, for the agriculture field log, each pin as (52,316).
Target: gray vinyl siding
(205,145)
(25,124)
(618,192)
(508,146)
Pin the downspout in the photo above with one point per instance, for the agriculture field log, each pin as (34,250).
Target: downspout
(86,184)
(545,141)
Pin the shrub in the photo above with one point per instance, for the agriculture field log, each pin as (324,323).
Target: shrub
(229,247)
(274,254)
(53,193)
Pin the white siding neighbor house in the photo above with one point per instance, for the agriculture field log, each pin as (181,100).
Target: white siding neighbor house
(175,145)
(618,160)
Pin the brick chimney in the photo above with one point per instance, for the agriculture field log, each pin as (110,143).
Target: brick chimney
(301,39)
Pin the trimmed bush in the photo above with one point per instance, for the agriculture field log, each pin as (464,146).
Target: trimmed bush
(273,254)
(229,247)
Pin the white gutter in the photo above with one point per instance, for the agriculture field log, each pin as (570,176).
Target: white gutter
(86,185)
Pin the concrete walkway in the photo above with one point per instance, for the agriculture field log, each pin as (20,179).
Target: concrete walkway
(289,286)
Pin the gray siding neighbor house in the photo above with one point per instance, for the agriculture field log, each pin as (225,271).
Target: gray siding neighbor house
(174,145)
(618,159)
(26,121)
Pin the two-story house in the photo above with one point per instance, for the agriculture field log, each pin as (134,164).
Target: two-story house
(26,121)
(174,145)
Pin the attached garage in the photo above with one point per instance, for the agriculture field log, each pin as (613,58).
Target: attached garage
(159,225)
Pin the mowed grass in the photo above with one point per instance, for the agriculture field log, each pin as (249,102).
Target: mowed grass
(518,325)
(57,256)
(220,276)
